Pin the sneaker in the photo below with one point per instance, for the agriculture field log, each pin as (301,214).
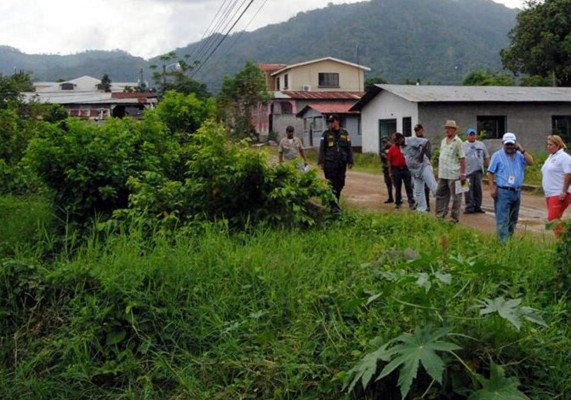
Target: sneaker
(412,206)
(389,201)
(479,210)
(469,212)
(397,205)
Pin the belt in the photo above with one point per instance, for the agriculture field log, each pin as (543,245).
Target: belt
(511,189)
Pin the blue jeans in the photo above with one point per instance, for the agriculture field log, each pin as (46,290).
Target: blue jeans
(400,176)
(506,207)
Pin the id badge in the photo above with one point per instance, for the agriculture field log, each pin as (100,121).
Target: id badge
(511,180)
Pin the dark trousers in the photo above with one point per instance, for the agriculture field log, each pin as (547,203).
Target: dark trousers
(427,196)
(335,174)
(400,176)
(473,197)
(388,182)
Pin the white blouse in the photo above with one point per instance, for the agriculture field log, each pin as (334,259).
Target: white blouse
(554,170)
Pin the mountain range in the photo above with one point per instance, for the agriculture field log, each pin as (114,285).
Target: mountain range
(431,41)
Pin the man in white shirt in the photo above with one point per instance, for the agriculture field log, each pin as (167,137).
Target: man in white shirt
(291,149)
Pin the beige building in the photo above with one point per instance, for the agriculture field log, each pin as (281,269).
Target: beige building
(327,81)
(324,74)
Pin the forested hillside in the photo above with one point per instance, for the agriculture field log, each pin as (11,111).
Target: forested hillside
(434,41)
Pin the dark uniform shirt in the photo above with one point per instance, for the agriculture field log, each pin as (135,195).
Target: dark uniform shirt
(335,148)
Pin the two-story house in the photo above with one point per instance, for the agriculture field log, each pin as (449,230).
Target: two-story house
(304,94)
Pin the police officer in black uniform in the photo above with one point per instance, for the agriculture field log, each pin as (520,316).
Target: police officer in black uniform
(335,155)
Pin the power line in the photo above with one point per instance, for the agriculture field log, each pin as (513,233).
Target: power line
(222,40)
(214,27)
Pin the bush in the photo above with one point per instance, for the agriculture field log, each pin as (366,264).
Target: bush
(228,181)
(87,165)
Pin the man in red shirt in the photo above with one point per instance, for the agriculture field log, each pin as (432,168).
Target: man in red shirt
(399,172)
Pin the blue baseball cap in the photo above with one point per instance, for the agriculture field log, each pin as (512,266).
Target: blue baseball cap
(470,131)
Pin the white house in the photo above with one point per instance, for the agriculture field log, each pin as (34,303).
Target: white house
(531,113)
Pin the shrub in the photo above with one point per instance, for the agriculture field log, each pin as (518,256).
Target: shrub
(87,165)
(224,180)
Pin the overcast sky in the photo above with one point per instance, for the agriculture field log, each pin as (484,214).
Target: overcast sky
(144,28)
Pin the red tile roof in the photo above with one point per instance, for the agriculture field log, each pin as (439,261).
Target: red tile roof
(271,67)
(133,95)
(328,108)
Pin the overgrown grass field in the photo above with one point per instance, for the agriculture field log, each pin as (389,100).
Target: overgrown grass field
(209,313)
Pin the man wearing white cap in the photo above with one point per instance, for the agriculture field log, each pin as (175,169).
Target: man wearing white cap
(506,174)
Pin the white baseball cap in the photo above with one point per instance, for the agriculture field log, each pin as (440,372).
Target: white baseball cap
(509,138)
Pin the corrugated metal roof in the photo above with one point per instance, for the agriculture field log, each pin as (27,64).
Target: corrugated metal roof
(85,98)
(82,84)
(479,93)
(318,95)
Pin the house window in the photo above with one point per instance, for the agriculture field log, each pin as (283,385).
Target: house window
(286,81)
(561,125)
(407,126)
(67,86)
(282,107)
(494,126)
(328,80)
(278,84)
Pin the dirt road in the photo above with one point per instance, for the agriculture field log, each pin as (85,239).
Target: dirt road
(365,190)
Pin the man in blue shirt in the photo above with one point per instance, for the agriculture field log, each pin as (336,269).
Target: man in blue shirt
(508,168)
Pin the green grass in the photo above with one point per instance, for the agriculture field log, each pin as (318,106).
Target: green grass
(23,221)
(272,314)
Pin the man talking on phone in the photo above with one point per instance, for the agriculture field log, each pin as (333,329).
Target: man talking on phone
(506,174)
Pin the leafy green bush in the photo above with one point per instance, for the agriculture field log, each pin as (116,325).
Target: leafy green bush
(87,165)
(184,114)
(228,181)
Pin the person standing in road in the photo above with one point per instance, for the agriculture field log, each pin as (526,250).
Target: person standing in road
(419,132)
(385,146)
(418,164)
(290,149)
(335,156)
(451,168)
(556,181)
(399,172)
(477,158)
(506,174)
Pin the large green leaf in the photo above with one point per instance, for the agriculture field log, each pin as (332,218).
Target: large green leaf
(498,387)
(365,369)
(511,311)
(415,349)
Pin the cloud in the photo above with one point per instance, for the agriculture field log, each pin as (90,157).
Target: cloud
(145,28)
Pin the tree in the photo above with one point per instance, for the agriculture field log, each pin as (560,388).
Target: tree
(184,113)
(487,78)
(11,88)
(374,80)
(239,96)
(541,41)
(105,84)
(174,75)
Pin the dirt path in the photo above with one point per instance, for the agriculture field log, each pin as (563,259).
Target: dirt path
(365,190)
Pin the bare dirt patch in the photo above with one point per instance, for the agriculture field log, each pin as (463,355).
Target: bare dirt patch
(368,191)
